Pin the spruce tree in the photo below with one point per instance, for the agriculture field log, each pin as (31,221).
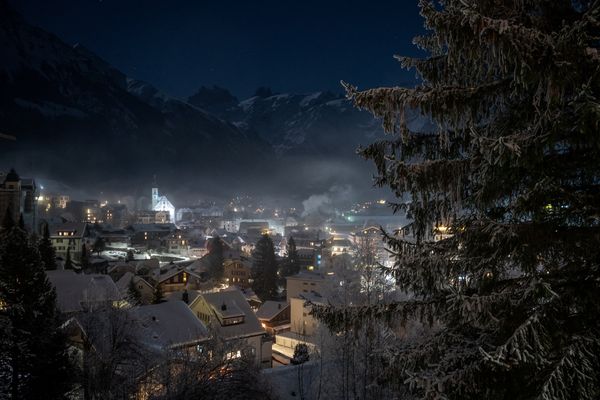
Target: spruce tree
(291,265)
(99,245)
(21,221)
(215,258)
(7,220)
(47,252)
(264,269)
(68,261)
(84,257)
(510,183)
(35,362)
(134,295)
(158,295)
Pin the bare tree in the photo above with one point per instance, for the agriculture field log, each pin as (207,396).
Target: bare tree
(112,356)
(215,369)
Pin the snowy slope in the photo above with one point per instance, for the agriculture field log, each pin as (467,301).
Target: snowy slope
(75,115)
(319,123)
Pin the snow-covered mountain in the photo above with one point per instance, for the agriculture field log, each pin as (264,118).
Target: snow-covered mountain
(316,124)
(79,119)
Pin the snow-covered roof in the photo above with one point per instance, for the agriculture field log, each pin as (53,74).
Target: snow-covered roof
(77,228)
(168,324)
(73,290)
(270,309)
(234,300)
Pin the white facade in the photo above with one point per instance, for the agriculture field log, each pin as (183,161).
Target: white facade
(162,203)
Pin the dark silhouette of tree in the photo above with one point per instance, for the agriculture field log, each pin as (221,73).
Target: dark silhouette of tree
(291,264)
(301,354)
(99,245)
(135,297)
(85,262)
(8,221)
(34,361)
(214,258)
(47,252)
(503,262)
(264,269)
(158,295)
(68,261)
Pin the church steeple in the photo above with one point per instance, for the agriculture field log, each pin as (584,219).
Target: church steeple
(154,193)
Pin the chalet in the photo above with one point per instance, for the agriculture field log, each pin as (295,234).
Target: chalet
(142,286)
(249,295)
(237,272)
(179,278)
(233,320)
(70,237)
(168,325)
(149,234)
(79,292)
(274,316)
(177,243)
(338,246)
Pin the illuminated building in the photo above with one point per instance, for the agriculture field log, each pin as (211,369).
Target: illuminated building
(18,195)
(162,203)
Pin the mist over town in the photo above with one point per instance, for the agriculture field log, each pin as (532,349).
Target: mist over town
(299,200)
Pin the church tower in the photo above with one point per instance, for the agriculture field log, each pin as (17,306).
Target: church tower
(154,193)
(154,197)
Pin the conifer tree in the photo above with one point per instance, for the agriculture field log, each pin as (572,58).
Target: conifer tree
(68,261)
(47,252)
(158,295)
(264,269)
(511,177)
(35,362)
(291,265)
(84,257)
(21,221)
(133,293)
(7,220)
(215,258)
(99,245)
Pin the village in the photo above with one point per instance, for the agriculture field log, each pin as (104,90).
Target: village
(158,265)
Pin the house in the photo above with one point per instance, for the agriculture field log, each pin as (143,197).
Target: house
(115,238)
(233,320)
(149,269)
(149,234)
(18,195)
(338,246)
(70,236)
(301,322)
(80,292)
(142,286)
(249,295)
(304,282)
(177,243)
(301,328)
(274,316)
(178,278)
(168,325)
(237,272)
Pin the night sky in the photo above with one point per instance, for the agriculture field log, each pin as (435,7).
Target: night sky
(290,46)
